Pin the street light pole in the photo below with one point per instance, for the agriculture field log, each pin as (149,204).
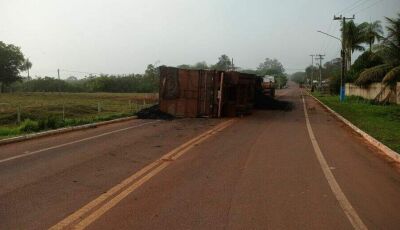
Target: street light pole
(343,56)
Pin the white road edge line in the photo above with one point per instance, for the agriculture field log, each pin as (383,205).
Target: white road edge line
(344,203)
(74,142)
(395,156)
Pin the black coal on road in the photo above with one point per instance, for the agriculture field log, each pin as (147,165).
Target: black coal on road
(153,112)
(268,103)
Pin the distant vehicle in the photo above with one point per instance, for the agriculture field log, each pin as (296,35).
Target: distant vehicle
(268,85)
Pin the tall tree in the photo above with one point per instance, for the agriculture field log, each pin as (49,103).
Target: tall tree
(270,67)
(200,65)
(373,31)
(388,73)
(11,63)
(354,37)
(392,42)
(224,63)
(184,66)
(151,77)
(27,66)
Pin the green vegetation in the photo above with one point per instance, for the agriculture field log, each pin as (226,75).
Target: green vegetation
(224,64)
(380,121)
(12,61)
(131,83)
(379,63)
(354,36)
(269,66)
(387,72)
(366,60)
(43,111)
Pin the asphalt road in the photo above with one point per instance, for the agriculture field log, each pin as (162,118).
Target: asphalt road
(299,169)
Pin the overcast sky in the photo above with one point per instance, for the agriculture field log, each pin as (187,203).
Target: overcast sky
(123,36)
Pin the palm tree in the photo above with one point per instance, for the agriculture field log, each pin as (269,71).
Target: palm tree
(388,73)
(393,50)
(373,32)
(353,37)
(392,42)
(27,65)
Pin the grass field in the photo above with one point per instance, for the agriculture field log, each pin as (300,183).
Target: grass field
(380,121)
(55,110)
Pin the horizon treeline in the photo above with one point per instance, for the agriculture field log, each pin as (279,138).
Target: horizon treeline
(130,83)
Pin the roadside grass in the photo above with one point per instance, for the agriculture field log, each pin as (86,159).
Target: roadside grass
(380,121)
(44,111)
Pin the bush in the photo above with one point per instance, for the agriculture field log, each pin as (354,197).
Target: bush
(363,62)
(29,126)
(51,123)
(5,131)
(334,84)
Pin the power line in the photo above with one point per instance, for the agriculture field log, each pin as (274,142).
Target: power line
(369,6)
(351,5)
(326,41)
(294,68)
(75,71)
(355,7)
(92,73)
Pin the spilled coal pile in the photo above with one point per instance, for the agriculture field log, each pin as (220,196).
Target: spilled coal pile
(154,112)
(269,103)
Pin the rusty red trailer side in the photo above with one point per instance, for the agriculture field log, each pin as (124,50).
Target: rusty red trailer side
(195,93)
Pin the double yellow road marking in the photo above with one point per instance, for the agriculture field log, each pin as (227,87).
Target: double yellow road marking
(96,208)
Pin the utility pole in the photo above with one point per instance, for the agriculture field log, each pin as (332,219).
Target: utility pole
(320,58)
(312,68)
(58,74)
(343,54)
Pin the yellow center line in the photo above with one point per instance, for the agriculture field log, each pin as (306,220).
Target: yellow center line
(81,218)
(344,203)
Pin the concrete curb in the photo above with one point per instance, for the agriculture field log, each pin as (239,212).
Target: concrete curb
(62,130)
(386,150)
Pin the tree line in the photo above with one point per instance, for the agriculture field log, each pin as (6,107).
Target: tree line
(272,67)
(379,61)
(140,83)
(12,63)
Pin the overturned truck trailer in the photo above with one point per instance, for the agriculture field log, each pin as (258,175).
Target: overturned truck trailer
(206,93)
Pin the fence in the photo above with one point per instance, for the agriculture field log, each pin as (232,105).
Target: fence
(12,113)
(376,91)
